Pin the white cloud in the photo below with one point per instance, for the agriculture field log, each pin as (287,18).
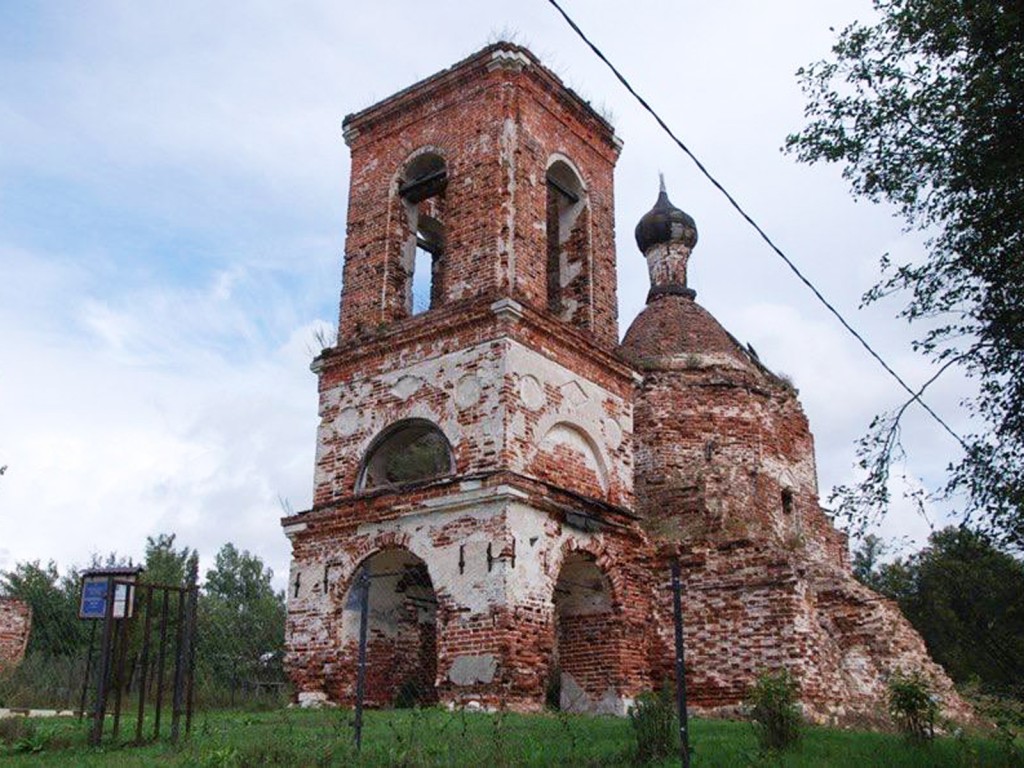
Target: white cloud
(174,185)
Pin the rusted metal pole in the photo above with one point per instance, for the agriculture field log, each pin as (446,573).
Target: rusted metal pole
(190,630)
(363,585)
(147,629)
(180,659)
(100,707)
(122,655)
(677,610)
(161,660)
(88,669)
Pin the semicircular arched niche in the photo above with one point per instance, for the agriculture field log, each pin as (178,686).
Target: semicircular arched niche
(567,456)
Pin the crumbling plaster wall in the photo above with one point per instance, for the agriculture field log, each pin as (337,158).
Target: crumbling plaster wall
(501,405)
(493,560)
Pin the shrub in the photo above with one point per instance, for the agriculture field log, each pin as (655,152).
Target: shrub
(14,729)
(653,721)
(912,706)
(773,710)
(408,695)
(19,734)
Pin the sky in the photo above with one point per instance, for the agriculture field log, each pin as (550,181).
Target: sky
(173,187)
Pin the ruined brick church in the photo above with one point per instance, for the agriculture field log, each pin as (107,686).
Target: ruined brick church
(514,480)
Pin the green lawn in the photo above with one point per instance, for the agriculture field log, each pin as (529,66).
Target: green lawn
(437,738)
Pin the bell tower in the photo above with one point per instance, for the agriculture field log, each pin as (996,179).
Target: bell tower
(476,423)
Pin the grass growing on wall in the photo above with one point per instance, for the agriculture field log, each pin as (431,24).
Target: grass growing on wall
(437,738)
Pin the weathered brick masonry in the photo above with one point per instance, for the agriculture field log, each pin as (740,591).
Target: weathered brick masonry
(512,480)
(15,625)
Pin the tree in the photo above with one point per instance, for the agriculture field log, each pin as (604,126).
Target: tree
(966,598)
(56,629)
(925,109)
(165,564)
(241,616)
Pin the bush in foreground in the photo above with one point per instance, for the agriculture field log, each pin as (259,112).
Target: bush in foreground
(653,721)
(912,706)
(773,709)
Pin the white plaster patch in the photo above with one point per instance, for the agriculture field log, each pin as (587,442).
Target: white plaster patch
(531,393)
(406,387)
(575,440)
(313,700)
(472,670)
(347,422)
(573,393)
(612,433)
(467,391)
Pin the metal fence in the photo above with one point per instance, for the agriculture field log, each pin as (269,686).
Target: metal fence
(390,669)
(176,658)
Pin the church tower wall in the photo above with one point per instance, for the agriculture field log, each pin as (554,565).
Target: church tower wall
(476,427)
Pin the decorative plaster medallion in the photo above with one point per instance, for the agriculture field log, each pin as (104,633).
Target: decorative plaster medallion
(347,421)
(531,392)
(613,433)
(573,393)
(406,387)
(467,391)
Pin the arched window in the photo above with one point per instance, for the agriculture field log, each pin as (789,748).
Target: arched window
(411,451)
(568,245)
(422,187)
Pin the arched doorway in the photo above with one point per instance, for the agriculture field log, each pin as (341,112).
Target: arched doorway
(401,656)
(586,657)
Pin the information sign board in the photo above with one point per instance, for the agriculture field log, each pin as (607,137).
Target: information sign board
(93,604)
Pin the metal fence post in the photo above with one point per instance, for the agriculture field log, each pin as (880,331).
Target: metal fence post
(100,708)
(363,584)
(144,663)
(677,610)
(177,694)
(193,615)
(183,654)
(88,670)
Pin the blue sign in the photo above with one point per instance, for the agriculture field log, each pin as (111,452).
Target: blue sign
(93,604)
(94,600)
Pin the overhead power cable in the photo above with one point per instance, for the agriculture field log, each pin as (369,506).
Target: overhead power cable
(914,395)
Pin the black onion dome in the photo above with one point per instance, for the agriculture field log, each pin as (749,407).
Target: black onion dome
(665,223)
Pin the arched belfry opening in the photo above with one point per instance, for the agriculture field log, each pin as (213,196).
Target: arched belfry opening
(409,451)
(401,630)
(422,190)
(568,245)
(584,661)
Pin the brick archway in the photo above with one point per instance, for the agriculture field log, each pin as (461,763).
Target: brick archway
(588,637)
(402,630)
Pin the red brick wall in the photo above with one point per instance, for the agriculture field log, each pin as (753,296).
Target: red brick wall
(715,450)
(15,625)
(496,119)
(753,607)
(703,446)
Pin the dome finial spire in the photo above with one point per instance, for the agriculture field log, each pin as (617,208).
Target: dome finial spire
(666,235)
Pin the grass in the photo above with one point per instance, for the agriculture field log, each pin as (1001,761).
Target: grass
(415,738)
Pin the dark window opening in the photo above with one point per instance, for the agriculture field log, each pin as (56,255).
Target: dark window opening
(422,190)
(408,452)
(568,262)
(787,502)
